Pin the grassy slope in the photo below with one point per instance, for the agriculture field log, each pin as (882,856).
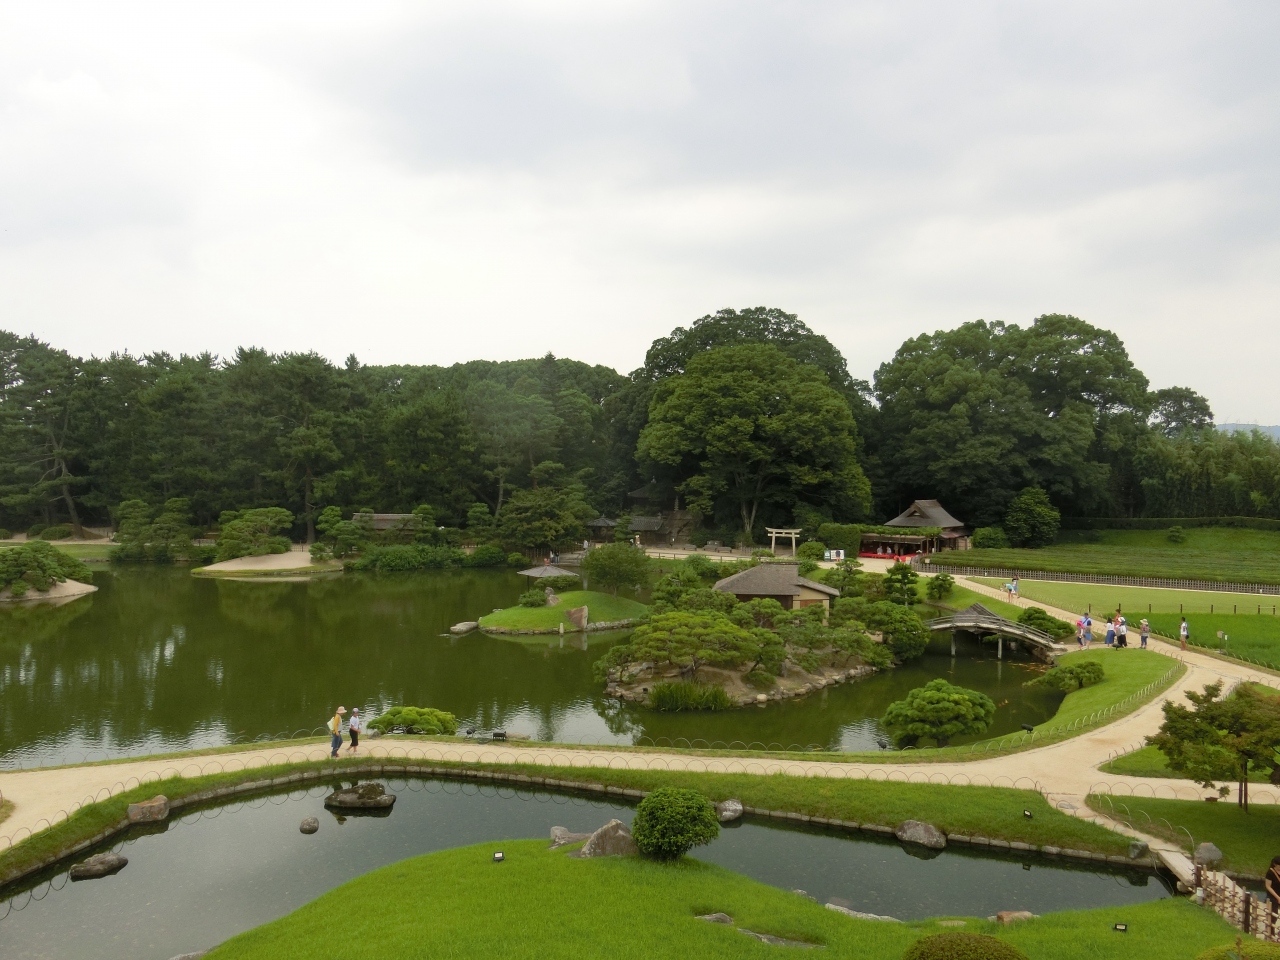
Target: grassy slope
(540,904)
(1150,762)
(961,599)
(1127,671)
(1246,556)
(1248,841)
(995,813)
(602,608)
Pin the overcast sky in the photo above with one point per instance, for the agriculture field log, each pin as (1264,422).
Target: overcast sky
(430,183)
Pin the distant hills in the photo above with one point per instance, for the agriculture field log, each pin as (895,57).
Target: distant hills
(1246,427)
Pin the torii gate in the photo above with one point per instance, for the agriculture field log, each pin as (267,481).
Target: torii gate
(774,533)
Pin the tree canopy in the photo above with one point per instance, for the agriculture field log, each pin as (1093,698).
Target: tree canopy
(939,710)
(747,429)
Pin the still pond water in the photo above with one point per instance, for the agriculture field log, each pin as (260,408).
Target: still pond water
(160,660)
(218,872)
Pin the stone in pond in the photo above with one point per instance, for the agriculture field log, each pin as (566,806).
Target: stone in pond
(365,796)
(612,840)
(727,810)
(99,865)
(860,915)
(1138,849)
(149,811)
(921,833)
(466,626)
(309,825)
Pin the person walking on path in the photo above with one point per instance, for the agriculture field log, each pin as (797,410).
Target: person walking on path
(1014,586)
(1184,633)
(1080,633)
(1144,632)
(1122,632)
(1088,630)
(1111,632)
(354,726)
(335,732)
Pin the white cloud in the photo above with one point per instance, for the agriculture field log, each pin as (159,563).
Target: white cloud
(433,183)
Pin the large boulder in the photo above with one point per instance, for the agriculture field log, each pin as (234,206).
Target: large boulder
(364,796)
(612,840)
(149,811)
(728,810)
(922,834)
(1207,854)
(560,836)
(99,865)
(577,616)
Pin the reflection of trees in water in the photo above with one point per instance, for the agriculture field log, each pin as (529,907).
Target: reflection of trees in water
(260,607)
(32,623)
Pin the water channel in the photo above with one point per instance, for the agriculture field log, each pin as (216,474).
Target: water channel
(160,660)
(220,871)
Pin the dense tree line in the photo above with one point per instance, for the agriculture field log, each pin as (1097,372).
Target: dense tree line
(748,417)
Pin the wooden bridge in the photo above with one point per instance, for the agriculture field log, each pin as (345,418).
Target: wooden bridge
(978,619)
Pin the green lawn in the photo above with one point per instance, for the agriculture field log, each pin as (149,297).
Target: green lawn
(1127,671)
(1248,841)
(1150,762)
(539,904)
(90,552)
(960,599)
(601,608)
(1209,553)
(1247,636)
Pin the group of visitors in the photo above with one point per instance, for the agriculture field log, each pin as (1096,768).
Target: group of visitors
(1117,631)
(354,726)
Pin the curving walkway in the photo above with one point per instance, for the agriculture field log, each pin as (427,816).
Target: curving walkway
(1065,772)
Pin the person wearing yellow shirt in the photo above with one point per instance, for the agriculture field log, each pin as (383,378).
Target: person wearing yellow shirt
(335,732)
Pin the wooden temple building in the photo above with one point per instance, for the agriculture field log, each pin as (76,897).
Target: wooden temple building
(950,533)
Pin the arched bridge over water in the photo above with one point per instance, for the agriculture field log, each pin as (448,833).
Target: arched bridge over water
(978,619)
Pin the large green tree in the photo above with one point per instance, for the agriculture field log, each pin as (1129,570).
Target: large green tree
(746,428)
(939,710)
(973,415)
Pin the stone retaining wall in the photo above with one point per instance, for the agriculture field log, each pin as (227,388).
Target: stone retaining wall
(522,780)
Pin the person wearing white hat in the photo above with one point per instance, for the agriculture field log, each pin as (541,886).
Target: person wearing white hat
(335,732)
(354,726)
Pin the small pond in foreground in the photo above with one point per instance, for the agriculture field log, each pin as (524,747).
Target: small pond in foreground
(221,871)
(160,660)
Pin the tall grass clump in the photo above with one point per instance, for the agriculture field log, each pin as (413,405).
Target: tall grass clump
(674,697)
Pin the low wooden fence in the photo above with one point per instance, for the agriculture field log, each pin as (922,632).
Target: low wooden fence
(1163,583)
(1238,906)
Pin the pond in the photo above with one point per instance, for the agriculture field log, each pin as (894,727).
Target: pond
(218,872)
(160,660)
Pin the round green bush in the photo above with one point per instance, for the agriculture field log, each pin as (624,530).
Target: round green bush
(811,550)
(33,531)
(1251,948)
(532,598)
(59,531)
(990,538)
(670,822)
(516,559)
(426,720)
(957,945)
(5,534)
(564,582)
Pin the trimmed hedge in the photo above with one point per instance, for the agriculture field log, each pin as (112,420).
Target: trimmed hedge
(671,821)
(958,945)
(59,531)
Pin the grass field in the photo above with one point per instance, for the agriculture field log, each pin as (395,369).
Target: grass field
(91,552)
(601,608)
(1150,762)
(1126,672)
(539,904)
(1251,633)
(1248,841)
(960,599)
(1209,553)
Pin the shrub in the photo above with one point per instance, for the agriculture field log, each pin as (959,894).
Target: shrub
(59,531)
(400,558)
(670,822)
(416,720)
(807,567)
(701,567)
(1073,676)
(321,552)
(841,536)
(253,533)
(616,565)
(990,538)
(565,582)
(1250,950)
(940,586)
(485,555)
(1035,617)
(1176,535)
(955,945)
(762,553)
(682,695)
(36,564)
(813,550)
(516,559)
(33,531)
(700,537)
(940,711)
(5,534)
(533,598)
(1032,521)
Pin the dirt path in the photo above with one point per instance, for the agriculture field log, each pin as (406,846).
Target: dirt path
(1066,772)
